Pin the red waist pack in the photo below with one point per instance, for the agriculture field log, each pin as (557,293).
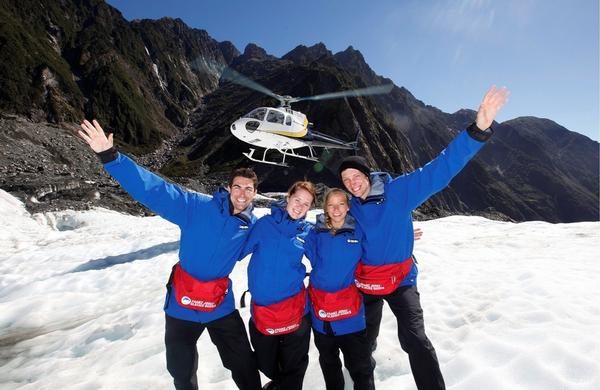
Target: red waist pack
(332,306)
(381,279)
(195,294)
(282,317)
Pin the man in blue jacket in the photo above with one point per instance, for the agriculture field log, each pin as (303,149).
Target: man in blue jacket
(383,208)
(199,294)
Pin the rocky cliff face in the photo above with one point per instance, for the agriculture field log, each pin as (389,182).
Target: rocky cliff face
(63,60)
(553,175)
(156,84)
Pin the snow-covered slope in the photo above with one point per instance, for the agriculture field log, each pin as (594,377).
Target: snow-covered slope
(507,306)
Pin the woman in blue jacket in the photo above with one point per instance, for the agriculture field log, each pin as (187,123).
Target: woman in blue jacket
(280,325)
(334,248)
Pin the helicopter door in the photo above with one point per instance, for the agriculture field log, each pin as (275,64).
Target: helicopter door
(274,122)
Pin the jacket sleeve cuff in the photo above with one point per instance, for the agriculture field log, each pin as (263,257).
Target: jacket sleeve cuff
(479,135)
(108,155)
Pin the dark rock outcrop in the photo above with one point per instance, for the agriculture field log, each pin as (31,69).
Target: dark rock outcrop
(303,55)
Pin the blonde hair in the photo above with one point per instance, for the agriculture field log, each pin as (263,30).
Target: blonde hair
(329,194)
(306,186)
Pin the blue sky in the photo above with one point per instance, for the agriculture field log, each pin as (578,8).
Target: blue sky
(447,53)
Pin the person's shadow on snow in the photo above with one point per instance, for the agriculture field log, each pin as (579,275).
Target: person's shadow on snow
(142,254)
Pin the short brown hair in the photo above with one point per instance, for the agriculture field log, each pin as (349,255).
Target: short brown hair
(248,173)
(304,185)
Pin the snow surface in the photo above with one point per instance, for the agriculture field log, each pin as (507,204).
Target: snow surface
(507,306)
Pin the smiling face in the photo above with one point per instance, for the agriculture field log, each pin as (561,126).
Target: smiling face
(241,193)
(299,203)
(336,208)
(356,182)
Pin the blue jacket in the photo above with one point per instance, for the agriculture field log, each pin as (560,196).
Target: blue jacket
(211,238)
(334,259)
(275,271)
(386,214)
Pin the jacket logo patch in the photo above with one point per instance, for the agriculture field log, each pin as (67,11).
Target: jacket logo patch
(352,241)
(244,227)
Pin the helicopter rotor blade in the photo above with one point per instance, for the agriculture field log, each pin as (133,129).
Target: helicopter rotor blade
(236,77)
(375,90)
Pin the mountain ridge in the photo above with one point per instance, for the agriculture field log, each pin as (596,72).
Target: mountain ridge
(156,84)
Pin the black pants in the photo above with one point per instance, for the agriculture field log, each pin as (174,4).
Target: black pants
(357,359)
(283,358)
(406,306)
(228,334)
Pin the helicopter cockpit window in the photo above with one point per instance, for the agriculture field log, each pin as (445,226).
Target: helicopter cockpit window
(275,117)
(288,120)
(251,126)
(258,113)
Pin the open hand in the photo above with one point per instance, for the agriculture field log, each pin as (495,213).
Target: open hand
(418,233)
(492,102)
(95,137)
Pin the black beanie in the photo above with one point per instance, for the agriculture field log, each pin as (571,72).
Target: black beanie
(356,162)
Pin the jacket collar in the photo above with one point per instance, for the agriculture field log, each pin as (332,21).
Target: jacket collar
(278,210)
(377,194)
(280,214)
(348,226)
(224,202)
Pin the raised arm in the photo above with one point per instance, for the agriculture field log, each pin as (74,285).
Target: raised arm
(416,187)
(166,199)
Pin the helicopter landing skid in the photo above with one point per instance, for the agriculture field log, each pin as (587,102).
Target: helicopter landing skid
(250,155)
(284,152)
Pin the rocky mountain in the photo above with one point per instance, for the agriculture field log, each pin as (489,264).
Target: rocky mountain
(63,60)
(303,55)
(553,168)
(156,84)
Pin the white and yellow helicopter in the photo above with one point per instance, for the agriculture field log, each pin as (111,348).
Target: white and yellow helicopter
(283,129)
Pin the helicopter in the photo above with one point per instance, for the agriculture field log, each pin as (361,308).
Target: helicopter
(285,130)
